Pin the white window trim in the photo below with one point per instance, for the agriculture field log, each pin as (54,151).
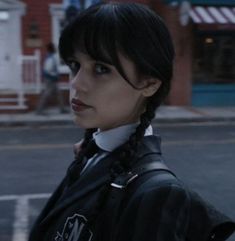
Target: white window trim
(57,14)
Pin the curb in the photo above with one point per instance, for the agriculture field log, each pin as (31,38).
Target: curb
(164,115)
(194,120)
(157,120)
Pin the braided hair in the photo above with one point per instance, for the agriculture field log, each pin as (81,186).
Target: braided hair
(104,30)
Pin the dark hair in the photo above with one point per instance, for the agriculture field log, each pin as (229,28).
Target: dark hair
(104,30)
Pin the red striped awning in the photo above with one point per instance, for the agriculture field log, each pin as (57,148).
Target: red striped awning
(213,15)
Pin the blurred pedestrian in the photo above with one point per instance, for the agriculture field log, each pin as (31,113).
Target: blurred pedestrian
(51,78)
(118,188)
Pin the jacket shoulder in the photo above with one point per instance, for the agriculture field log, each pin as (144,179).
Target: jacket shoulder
(158,206)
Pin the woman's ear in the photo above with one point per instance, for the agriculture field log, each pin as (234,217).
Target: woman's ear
(152,85)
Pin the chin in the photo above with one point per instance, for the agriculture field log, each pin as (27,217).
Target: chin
(82,124)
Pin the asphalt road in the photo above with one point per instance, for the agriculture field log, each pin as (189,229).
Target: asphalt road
(34,159)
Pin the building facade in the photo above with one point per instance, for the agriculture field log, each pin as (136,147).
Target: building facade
(213,59)
(203,34)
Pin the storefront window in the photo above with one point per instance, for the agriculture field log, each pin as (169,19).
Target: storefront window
(214,58)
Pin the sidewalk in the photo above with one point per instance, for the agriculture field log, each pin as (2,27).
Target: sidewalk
(165,114)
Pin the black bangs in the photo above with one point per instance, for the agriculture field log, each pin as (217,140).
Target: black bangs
(93,32)
(94,35)
(106,30)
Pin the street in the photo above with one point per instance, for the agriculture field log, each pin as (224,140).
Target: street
(34,159)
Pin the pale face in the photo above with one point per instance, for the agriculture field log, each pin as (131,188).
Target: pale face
(109,100)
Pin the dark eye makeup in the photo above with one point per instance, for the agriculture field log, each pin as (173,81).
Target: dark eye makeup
(98,67)
(74,66)
(101,69)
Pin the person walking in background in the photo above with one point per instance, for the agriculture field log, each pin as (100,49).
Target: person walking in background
(51,77)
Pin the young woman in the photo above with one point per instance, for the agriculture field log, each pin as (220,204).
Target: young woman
(118,188)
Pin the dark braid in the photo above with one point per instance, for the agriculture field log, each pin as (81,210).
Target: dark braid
(130,148)
(87,138)
(75,168)
(125,157)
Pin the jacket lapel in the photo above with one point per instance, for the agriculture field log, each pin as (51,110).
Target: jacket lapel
(86,183)
(99,175)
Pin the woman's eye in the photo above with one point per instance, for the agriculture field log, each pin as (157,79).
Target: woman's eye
(101,69)
(74,67)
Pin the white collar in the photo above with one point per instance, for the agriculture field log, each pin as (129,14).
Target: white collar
(111,139)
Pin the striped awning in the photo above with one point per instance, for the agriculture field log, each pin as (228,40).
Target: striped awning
(213,15)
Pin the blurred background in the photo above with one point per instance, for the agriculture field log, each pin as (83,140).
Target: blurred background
(203,33)
(196,122)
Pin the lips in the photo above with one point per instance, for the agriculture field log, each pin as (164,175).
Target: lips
(78,105)
(77,102)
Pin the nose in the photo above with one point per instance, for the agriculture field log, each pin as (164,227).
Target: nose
(78,81)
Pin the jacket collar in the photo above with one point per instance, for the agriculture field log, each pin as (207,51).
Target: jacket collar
(100,175)
(150,145)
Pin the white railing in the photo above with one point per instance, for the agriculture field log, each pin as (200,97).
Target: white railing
(30,82)
(31,72)
(13,97)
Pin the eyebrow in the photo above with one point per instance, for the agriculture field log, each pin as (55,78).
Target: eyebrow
(89,59)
